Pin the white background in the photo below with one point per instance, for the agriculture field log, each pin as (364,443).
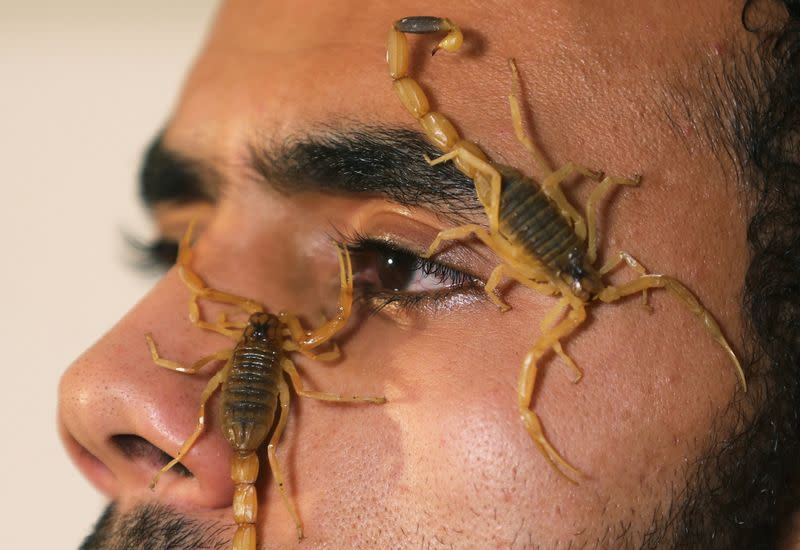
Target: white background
(84,86)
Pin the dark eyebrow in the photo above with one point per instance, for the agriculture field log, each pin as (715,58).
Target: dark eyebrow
(367,161)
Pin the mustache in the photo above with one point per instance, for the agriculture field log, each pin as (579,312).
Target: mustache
(155,526)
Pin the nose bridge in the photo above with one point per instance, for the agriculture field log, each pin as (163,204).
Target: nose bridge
(287,266)
(121,415)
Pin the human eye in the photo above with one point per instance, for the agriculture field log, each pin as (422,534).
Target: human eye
(388,275)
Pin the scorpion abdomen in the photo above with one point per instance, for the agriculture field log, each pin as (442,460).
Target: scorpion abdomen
(250,395)
(532,220)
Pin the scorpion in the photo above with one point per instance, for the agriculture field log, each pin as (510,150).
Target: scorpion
(252,382)
(542,240)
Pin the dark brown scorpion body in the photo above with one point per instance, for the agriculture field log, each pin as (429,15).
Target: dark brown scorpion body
(530,218)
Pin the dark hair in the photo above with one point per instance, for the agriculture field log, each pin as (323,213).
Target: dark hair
(742,493)
(764,140)
(771,169)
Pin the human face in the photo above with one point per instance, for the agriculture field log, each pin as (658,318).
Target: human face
(446,460)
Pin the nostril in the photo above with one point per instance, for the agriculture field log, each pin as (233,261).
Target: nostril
(92,467)
(138,449)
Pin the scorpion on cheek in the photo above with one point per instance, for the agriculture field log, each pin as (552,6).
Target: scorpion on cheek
(541,239)
(252,384)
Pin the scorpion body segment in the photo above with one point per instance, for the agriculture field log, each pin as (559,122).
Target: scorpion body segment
(541,239)
(253,384)
(250,394)
(531,220)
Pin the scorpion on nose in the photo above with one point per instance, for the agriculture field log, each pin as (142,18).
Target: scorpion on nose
(541,239)
(252,384)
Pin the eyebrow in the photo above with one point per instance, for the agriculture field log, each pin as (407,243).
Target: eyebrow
(367,161)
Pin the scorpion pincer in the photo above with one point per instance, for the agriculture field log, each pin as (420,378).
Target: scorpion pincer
(252,383)
(541,239)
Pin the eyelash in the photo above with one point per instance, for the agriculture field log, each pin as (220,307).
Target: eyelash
(452,281)
(158,254)
(366,253)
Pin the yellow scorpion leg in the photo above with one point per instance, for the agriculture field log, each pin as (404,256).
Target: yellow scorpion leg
(527,381)
(198,289)
(547,322)
(591,210)
(631,262)
(538,283)
(488,181)
(644,282)
(462,232)
(209,390)
(222,355)
(297,382)
(283,396)
(516,120)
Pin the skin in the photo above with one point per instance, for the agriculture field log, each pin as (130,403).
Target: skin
(446,461)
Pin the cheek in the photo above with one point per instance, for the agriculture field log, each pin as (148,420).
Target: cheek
(454,450)
(450,443)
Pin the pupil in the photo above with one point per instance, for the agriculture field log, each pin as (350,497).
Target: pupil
(395,270)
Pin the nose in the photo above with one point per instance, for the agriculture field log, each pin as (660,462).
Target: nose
(122,417)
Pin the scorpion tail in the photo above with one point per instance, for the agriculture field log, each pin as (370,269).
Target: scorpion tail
(244,472)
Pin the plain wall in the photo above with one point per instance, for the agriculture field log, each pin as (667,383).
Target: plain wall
(84,86)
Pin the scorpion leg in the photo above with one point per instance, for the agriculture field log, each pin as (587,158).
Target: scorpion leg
(488,181)
(539,285)
(591,210)
(631,262)
(516,120)
(644,282)
(284,397)
(209,390)
(199,289)
(552,188)
(527,380)
(462,232)
(297,382)
(310,339)
(330,355)
(222,355)
(235,327)
(491,286)
(547,322)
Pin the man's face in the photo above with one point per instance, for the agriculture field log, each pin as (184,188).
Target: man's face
(446,461)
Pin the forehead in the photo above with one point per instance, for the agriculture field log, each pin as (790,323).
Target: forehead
(274,68)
